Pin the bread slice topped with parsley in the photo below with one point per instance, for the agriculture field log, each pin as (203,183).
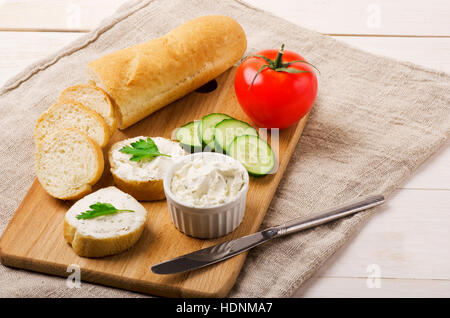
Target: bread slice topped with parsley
(139,164)
(94,98)
(67,164)
(104,223)
(70,114)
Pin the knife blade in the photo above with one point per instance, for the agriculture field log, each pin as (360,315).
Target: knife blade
(223,251)
(213,254)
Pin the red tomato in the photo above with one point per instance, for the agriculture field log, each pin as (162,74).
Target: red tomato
(281,94)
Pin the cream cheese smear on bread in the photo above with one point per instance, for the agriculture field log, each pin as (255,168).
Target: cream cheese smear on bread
(146,169)
(105,233)
(138,165)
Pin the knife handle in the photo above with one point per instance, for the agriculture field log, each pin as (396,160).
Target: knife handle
(303,223)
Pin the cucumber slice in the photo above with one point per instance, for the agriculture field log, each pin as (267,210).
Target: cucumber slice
(206,129)
(188,137)
(254,153)
(228,129)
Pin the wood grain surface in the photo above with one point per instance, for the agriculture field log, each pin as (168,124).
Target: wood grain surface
(33,239)
(337,17)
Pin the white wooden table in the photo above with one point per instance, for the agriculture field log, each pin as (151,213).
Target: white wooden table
(404,250)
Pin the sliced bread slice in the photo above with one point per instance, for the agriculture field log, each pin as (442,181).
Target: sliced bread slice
(143,179)
(68,163)
(106,234)
(70,114)
(93,97)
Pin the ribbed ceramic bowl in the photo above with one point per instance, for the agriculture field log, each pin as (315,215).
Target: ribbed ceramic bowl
(205,222)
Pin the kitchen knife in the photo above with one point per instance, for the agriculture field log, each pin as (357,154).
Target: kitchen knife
(223,251)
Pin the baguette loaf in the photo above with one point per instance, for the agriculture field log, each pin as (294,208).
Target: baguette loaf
(68,163)
(107,234)
(143,78)
(93,97)
(143,179)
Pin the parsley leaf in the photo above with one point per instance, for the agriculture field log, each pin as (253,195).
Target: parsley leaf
(142,149)
(99,209)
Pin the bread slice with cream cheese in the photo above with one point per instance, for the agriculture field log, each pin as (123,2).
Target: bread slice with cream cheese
(93,97)
(105,234)
(68,163)
(143,179)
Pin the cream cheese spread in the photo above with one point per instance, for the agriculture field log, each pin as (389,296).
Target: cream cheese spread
(204,182)
(145,170)
(107,225)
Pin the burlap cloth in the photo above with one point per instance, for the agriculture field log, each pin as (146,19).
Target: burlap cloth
(374,122)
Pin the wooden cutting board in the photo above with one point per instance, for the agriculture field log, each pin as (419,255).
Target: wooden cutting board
(34,240)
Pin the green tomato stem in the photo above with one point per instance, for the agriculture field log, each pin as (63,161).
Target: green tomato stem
(278,66)
(279,59)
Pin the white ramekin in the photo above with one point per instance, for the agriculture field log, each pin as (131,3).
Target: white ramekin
(205,222)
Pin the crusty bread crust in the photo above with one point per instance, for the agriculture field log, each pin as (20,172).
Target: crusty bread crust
(75,196)
(150,190)
(144,78)
(88,246)
(85,189)
(111,119)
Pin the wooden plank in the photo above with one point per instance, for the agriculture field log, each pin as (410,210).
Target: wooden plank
(33,238)
(408,239)
(19,49)
(382,17)
(63,15)
(353,287)
(385,17)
